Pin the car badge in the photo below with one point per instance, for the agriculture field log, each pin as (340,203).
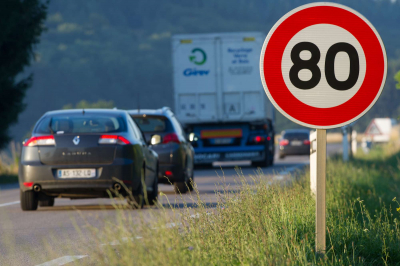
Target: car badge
(76,140)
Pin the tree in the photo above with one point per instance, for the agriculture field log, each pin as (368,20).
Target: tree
(397,78)
(21,24)
(86,105)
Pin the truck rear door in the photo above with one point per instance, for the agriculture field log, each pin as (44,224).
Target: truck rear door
(195,78)
(242,91)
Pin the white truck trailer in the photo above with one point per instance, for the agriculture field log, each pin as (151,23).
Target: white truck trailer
(220,99)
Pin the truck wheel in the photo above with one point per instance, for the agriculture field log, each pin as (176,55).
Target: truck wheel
(46,203)
(260,164)
(29,200)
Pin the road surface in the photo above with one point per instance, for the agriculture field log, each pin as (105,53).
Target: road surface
(49,237)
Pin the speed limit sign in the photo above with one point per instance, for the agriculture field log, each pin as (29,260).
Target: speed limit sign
(323,65)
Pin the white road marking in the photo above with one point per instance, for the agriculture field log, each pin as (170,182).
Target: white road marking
(9,203)
(62,260)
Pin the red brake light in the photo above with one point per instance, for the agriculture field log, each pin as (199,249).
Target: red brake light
(28,184)
(113,139)
(168,173)
(284,142)
(268,138)
(258,139)
(306,142)
(172,137)
(40,141)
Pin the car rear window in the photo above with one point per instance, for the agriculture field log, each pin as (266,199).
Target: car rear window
(87,123)
(296,135)
(152,123)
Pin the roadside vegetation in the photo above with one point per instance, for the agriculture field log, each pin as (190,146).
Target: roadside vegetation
(9,160)
(270,223)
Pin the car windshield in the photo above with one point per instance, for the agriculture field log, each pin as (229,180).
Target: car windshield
(296,135)
(88,123)
(151,123)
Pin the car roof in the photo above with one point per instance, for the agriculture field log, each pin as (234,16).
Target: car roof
(86,111)
(165,111)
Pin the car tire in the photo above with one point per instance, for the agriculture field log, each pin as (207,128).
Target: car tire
(180,187)
(46,203)
(29,200)
(152,196)
(271,159)
(136,200)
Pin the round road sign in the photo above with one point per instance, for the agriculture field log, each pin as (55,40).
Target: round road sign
(323,65)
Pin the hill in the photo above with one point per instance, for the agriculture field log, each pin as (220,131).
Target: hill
(120,50)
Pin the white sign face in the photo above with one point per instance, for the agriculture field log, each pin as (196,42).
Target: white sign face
(323,65)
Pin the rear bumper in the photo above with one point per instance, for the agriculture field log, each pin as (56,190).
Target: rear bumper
(176,170)
(290,150)
(46,177)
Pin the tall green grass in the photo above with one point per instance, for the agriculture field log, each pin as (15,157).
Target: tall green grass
(269,224)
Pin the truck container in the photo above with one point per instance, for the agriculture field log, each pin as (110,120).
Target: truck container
(219,97)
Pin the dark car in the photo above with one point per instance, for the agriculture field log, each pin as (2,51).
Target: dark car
(85,154)
(171,144)
(294,142)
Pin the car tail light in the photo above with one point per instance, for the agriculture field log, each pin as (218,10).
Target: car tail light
(258,139)
(40,141)
(168,173)
(28,184)
(306,142)
(268,138)
(284,142)
(172,137)
(113,139)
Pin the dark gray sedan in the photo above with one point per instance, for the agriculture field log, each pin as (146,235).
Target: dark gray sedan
(294,142)
(176,154)
(84,154)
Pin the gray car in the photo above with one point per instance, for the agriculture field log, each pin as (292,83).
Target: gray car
(85,154)
(176,154)
(294,142)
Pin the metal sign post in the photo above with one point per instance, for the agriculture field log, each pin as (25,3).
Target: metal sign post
(323,65)
(320,216)
(317,185)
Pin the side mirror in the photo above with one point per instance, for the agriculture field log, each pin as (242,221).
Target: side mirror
(155,139)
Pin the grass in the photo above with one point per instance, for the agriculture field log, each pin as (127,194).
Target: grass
(271,224)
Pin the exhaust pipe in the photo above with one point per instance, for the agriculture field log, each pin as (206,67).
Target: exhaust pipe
(36,188)
(117,186)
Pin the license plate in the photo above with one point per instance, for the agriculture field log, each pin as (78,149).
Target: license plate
(76,173)
(222,141)
(296,143)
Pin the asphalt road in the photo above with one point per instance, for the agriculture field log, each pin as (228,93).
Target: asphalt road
(49,235)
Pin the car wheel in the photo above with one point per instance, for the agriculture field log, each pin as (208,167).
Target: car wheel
(153,195)
(271,159)
(136,200)
(46,203)
(29,200)
(180,187)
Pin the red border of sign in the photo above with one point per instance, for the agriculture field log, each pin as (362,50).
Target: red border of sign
(282,33)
